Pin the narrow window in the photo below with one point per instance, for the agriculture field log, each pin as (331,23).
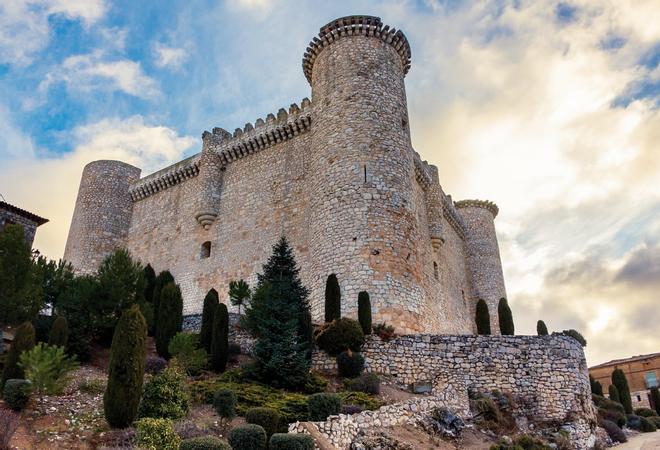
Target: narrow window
(435,270)
(206,250)
(365,172)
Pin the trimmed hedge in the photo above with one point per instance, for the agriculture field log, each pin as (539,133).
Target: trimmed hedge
(505,318)
(332,299)
(224,402)
(340,335)
(204,443)
(156,434)
(211,302)
(17,393)
(613,431)
(220,339)
(268,418)
(248,437)
(482,318)
(323,405)
(367,382)
(541,328)
(169,317)
(364,312)
(288,441)
(645,412)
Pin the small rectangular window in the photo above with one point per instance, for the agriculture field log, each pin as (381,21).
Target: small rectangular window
(651,380)
(206,250)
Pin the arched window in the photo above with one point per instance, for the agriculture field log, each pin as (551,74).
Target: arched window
(206,250)
(435,270)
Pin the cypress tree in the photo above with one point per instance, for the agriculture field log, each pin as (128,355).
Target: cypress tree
(655,399)
(364,312)
(614,393)
(24,340)
(59,333)
(596,387)
(619,380)
(170,317)
(332,299)
(126,369)
(208,313)
(482,318)
(307,331)
(150,280)
(541,329)
(161,280)
(505,318)
(220,339)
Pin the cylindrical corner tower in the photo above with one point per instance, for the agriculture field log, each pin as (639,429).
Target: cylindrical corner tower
(102,215)
(362,225)
(483,255)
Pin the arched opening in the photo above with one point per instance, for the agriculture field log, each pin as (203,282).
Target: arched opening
(206,250)
(436,275)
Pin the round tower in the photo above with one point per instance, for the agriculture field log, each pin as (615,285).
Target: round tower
(483,255)
(102,215)
(362,225)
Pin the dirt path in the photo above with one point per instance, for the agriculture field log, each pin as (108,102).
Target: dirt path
(644,441)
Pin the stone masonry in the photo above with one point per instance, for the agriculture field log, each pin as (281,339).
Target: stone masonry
(336,175)
(13,215)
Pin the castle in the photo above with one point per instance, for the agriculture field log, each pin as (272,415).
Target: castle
(336,175)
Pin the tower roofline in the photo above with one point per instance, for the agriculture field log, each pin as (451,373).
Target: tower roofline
(354,26)
(485,204)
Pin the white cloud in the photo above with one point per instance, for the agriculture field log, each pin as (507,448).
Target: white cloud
(24,28)
(48,185)
(90,71)
(169,56)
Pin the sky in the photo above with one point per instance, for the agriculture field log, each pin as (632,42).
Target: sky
(550,109)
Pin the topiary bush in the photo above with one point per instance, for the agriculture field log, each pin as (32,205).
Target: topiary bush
(224,402)
(220,339)
(156,434)
(17,393)
(332,299)
(482,318)
(24,340)
(350,364)
(340,335)
(364,312)
(575,334)
(289,441)
(204,443)
(248,437)
(59,333)
(368,383)
(155,364)
(613,415)
(322,405)
(268,418)
(645,412)
(646,426)
(169,317)
(633,421)
(165,396)
(613,431)
(541,329)
(505,318)
(211,302)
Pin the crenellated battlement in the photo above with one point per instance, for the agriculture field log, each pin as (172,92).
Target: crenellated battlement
(165,178)
(356,26)
(485,204)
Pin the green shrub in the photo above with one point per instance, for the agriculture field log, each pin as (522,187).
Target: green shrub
(162,279)
(613,430)
(362,399)
(614,394)
(482,318)
(596,387)
(224,402)
(165,396)
(24,340)
(268,418)
(350,364)
(655,420)
(619,380)
(575,335)
(248,437)
(612,415)
(323,405)
(17,393)
(204,443)
(541,329)
(169,317)
(633,421)
(156,434)
(92,386)
(126,369)
(367,382)
(647,426)
(340,335)
(655,399)
(239,293)
(384,331)
(47,368)
(289,441)
(645,412)
(332,299)
(155,364)
(364,312)
(505,318)
(314,383)
(59,333)
(42,325)
(220,339)
(183,346)
(211,302)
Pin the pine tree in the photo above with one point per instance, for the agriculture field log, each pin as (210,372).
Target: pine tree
(332,299)
(24,340)
(161,280)
(170,317)
(596,387)
(126,369)
(655,399)
(208,313)
(364,312)
(619,380)
(278,316)
(482,318)
(239,293)
(541,329)
(505,318)
(59,333)
(220,339)
(614,393)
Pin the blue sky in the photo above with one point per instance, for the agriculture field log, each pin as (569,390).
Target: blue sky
(550,109)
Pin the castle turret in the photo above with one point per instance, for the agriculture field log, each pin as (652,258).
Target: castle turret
(362,222)
(102,215)
(434,209)
(483,254)
(211,173)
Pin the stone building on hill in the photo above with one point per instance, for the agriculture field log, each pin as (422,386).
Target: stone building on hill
(642,373)
(336,174)
(10,214)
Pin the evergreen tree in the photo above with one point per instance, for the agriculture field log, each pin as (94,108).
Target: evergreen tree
(161,280)
(619,380)
(21,292)
(278,316)
(596,387)
(307,331)
(505,318)
(128,354)
(77,304)
(208,313)
(24,340)
(541,329)
(332,299)
(147,307)
(655,399)
(364,312)
(482,318)
(614,393)
(59,333)
(239,293)
(220,340)
(170,317)
(57,278)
